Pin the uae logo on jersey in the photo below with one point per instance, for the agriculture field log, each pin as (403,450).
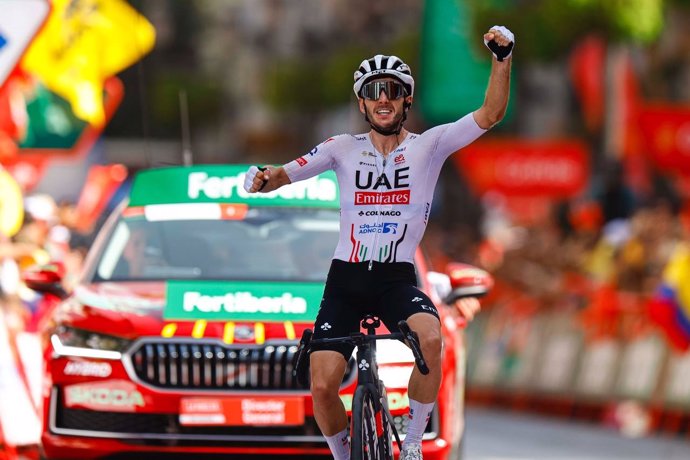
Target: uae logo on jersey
(400,159)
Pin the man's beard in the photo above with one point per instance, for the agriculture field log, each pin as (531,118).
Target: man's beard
(393,128)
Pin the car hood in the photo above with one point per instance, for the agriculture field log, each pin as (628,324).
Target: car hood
(250,312)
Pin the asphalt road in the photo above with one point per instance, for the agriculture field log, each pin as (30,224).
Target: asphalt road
(498,435)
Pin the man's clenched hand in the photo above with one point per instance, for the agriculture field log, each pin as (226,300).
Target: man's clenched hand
(256,179)
(500,41)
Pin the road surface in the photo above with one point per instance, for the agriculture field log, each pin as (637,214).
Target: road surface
(500,435)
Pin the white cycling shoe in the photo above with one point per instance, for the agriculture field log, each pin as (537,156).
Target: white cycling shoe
(412,452)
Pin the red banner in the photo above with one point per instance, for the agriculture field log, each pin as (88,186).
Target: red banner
(101,183)
(553,169)
(587,63)
(665,133)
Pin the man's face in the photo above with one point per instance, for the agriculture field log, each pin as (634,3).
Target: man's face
(384,112)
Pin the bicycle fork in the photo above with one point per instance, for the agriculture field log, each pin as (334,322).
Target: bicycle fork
(385,412)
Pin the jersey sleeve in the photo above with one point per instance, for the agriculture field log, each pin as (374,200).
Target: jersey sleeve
(318,160)
(451,137)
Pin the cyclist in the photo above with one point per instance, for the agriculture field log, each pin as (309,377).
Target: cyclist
(386,178)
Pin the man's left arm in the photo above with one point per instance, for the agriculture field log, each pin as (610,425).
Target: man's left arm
(500,41)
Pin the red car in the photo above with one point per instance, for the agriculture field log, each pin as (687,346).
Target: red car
(180,335)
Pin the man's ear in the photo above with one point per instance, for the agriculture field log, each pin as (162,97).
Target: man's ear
(408,102)
(361,106)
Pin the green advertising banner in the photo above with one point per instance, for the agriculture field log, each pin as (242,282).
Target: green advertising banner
(242,301)
(225,184)
(453,74)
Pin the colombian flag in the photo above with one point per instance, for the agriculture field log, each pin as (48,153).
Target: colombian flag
(670,307)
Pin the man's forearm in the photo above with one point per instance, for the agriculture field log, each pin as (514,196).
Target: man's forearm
(497,94)
(277,179)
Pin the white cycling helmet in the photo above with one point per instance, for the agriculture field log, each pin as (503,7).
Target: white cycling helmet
(381,65)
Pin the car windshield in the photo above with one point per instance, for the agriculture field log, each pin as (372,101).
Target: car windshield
(282,244)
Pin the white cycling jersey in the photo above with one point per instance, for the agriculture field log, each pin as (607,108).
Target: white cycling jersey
(384,201)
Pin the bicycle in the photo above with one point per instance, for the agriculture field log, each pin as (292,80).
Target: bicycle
(371,426)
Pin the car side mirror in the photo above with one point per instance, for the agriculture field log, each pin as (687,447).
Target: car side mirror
(46,279)
(467,281)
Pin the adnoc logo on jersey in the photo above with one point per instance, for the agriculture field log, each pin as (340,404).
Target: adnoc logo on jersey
(384,227)
(224,184)
(242,301)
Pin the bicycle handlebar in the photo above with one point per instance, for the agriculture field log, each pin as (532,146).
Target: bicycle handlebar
(299,369)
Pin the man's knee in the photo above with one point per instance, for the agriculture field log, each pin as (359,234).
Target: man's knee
(432,345)
(428,331)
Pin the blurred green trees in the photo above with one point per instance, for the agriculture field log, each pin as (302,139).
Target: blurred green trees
(548,28)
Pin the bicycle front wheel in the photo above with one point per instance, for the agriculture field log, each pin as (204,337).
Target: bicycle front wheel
(365,441)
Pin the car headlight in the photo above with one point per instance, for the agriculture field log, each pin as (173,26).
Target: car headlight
(69,341)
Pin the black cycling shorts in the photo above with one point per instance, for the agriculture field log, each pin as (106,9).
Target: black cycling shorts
(388,290)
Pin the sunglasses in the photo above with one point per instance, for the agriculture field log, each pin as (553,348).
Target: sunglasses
(393,90)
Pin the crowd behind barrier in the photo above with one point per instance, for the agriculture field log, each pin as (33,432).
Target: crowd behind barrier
(48,234)
(589,318)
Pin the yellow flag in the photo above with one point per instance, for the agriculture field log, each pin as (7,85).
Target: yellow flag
(83,43)
(11,205)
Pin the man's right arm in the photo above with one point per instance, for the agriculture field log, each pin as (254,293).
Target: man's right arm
(318,160)
(498,90)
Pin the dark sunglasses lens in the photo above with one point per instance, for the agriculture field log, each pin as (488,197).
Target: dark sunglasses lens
(393,90)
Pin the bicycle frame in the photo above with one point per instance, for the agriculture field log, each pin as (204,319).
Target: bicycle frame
(367,367)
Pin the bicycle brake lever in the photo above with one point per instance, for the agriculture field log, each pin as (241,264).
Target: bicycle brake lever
(300,369)
(413,341)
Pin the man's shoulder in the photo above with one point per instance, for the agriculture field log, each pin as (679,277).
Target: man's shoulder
(342,138)
(342,141)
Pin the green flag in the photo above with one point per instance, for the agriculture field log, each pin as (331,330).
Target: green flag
(453,74)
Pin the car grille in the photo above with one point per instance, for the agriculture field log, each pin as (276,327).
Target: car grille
(199,365)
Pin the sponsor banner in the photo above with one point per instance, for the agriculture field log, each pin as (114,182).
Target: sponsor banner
(242,301)
(665,134)
(225,184)
(238,411)
(109,396)
(553,169)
